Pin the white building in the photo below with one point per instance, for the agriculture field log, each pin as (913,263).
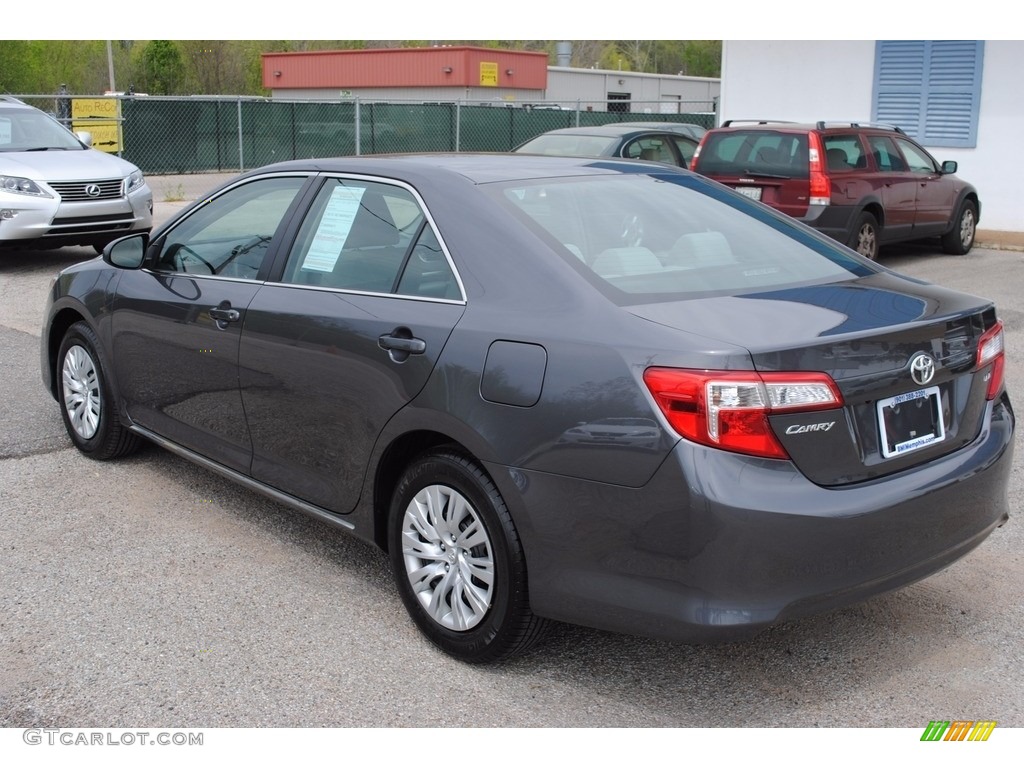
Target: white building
(962,99)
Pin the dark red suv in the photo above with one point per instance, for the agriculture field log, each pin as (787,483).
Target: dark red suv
(863,184)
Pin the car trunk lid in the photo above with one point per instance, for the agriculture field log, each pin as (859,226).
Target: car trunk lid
(903,355)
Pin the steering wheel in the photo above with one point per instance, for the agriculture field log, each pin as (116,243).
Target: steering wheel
(179,259)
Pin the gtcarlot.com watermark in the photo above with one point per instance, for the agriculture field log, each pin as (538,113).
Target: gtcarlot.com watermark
(76,737)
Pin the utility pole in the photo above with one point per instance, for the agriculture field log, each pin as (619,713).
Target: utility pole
(110,66)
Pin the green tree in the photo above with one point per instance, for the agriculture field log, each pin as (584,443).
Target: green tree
(17,65)
(162,70)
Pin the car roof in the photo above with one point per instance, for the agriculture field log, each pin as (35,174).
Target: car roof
(623,129)
(820,125)
(477,168)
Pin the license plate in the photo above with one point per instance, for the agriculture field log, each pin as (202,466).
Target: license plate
(910,421)
(754,193)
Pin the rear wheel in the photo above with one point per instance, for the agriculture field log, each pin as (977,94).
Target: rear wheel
(458,562)
(865,236)
(87,401)
(960,239)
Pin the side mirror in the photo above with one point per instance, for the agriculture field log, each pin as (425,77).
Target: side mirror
(949,166)
(85,137)
(128,252)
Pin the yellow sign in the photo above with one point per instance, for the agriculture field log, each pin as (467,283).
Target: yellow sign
(101,118)
(489,73)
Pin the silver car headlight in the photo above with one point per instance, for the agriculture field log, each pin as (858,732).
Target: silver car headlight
(134,181)
(22,186)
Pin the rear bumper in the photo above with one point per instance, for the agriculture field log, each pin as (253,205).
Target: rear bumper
(717,547)
(836,221)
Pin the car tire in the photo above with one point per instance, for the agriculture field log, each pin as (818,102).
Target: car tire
(864,238)
(85,395)
(960,239)
(458,562)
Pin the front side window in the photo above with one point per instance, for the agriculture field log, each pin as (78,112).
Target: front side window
(370,237)
(230,235)
(918,160)
(686,149)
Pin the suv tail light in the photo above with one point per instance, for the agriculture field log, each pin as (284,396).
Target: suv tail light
(696,154)
(730,409)
(821,185)
(991,350)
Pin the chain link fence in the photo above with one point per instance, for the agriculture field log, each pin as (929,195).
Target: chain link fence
(176,135)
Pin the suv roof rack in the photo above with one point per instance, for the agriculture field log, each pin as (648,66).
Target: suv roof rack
(727,123)
(10,99)
(822,125)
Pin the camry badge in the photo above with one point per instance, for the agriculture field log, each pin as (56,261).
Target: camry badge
(92,190)
(922,368)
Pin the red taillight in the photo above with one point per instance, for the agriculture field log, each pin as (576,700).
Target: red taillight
(696,154)
(991,350)
(730,409)
(821,185)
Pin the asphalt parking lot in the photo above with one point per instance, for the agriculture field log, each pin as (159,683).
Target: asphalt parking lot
(150,592)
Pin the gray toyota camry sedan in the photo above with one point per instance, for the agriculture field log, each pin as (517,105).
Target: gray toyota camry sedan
(603,392)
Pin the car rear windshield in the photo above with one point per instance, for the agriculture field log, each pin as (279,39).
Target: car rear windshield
(766,154)
(660,237)
(570,145)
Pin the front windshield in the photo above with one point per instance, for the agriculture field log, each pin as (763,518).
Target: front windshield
(25,130)
(569,145)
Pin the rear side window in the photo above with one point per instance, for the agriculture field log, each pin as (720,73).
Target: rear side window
(887,157)
(370,237)
(845,153)
(650,148)
(754,153)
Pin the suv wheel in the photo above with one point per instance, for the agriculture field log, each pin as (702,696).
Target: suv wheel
(960,238)
(865,236)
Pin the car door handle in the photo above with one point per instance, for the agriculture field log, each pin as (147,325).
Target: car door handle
(225,314)
(411,345)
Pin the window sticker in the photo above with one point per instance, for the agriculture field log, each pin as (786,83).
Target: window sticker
(5,131)
(335,225)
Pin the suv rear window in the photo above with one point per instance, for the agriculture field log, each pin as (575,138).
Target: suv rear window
(755,153)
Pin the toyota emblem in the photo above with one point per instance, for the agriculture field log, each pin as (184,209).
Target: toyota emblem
(922,368)
(92,190)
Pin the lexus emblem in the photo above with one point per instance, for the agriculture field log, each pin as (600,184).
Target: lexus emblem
(922,368)
(92,190)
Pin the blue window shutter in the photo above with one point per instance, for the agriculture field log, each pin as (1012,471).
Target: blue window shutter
(930,88)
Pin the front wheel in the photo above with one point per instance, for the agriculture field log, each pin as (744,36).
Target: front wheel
(87,402)
(960,239)
(865,236)
(458,562)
